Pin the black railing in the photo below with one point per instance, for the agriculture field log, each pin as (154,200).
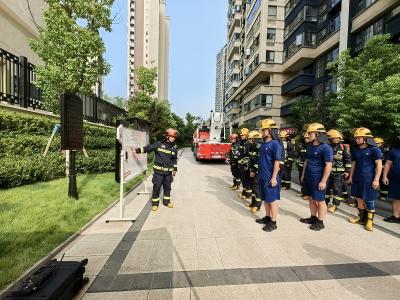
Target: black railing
(17,78)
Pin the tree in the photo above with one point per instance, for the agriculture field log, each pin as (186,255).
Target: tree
(117,101)
(72,53)
(369,93)
(144,106)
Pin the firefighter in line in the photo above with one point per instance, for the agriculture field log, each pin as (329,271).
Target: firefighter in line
(364,176)
(380,143)
(255,139)
(269,168)
(289,157)
(340,170)
(316,172)
(233,161)
(301,157)
(244,164)
(391,177)
(165,166)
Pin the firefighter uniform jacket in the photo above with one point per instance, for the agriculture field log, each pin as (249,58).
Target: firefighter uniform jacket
(290,153)
(166,156)
(244,156)
(254,155)
(234,153)
(341,158)
(302,155)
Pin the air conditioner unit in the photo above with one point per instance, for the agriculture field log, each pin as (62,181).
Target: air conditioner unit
(247,52)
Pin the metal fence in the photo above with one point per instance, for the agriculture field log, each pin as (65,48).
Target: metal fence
(17,78)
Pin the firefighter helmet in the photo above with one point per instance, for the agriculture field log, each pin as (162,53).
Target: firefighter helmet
(171,132)
(379,140)
(316,127)
(283,134)
(334,134)
(268,124)
(363,132)
(254,134)
(244,132)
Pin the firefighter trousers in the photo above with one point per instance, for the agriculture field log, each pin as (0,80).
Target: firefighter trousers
(164,181)
(335,188)
(255,192)
(236,174)
(300,169)
(245,178)
(287,175)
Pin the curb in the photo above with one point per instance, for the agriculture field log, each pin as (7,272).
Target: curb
(64,244)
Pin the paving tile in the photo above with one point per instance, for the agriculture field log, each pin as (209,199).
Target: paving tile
(94,265)
(208,254)
(185,255)
(169,294)
(138,257)
(229,252)
(92,248)
(131,295)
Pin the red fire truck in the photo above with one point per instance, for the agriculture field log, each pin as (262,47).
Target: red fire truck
(207,143)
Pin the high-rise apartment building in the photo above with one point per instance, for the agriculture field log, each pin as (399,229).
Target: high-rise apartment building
(220,80)
(148,42)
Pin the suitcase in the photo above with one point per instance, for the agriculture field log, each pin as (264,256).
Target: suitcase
(57,280)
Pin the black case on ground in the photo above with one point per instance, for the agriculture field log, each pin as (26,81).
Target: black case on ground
(63,284)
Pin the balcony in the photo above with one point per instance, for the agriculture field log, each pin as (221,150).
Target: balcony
(298,83)
(234,21)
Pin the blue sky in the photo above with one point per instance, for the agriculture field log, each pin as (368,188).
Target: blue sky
(197,32)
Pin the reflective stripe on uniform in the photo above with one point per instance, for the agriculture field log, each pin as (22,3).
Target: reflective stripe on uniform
(165,151)
(141,150)
(258,200)
(347,165)
(167,198)
(248,191)
(163,169)
(156,199)
(338,169)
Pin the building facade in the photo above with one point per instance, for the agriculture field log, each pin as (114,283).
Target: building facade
(148,42)
(220,80)
(316,31)
(254,55)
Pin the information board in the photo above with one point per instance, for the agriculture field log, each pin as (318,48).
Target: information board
(130,139)
(71,122)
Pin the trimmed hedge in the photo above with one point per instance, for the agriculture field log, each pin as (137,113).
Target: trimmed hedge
(23,138)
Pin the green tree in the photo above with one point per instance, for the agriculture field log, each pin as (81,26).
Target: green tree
(369,93)
(117,101)
(72,53)
(144,106)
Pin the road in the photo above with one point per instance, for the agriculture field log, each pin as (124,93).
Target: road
(209,247)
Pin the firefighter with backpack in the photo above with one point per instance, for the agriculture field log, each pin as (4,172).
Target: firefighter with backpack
(254,149)
(340,170)
(165,166)
(234,161)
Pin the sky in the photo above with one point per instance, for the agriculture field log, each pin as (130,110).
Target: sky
(197,33)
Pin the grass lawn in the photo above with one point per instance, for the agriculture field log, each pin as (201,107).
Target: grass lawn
(34,219)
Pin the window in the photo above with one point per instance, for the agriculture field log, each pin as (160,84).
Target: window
(271,34)
(319,68)
(266,101)
(270,56)
(272,12)
(331,86)
(253,12)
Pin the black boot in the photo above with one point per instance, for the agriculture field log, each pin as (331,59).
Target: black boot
(318,225)
(264,220)
(270,226)
(310,220)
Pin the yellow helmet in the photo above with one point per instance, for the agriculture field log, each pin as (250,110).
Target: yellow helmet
(254,134)
(283,134)
(334,134)
(244,132)
(363,132)
(315,127)
(379,140)
(268,124)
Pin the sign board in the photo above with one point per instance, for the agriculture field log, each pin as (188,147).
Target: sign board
(130,139)
(71,122)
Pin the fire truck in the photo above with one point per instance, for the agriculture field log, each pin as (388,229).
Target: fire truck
(207,143)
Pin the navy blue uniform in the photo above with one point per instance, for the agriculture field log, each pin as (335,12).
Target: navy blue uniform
(244,159)
(317,157)
(394,182)
(233,161)
(165,162)
(364,174)
(269,153)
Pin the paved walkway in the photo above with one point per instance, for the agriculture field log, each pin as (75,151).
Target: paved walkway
(209,247)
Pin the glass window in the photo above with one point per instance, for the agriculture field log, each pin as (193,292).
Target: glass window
(270,56)
(271,34)
(253,12)
(272,11)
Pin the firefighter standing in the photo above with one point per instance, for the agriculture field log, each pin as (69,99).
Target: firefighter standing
(289,157)
(392,167)
(269,167)
(364,176)
(244,164)
(340,170)
(233,160)
(302,156)
(254,148)
(165,167)
(317,169)
(383,191)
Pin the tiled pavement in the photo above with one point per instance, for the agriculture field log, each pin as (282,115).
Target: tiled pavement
(209,247)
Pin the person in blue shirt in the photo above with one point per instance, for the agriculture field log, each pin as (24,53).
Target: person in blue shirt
(366,169)
(316,172)
(269,165)
(392,166)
